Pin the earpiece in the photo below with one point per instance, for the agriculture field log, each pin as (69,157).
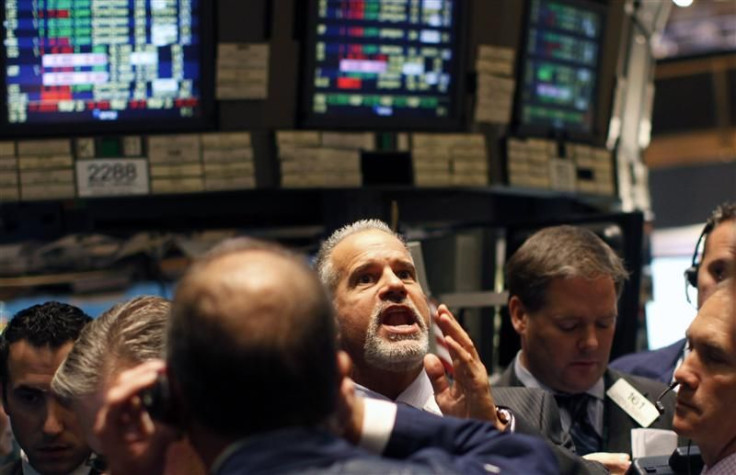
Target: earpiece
(691,273)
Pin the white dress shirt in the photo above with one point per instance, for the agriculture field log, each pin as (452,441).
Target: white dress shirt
(726,466)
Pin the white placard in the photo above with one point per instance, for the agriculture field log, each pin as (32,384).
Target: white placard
(112,177)
(633,403)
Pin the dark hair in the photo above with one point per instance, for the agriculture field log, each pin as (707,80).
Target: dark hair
(49,324)
(560,251)
(277,370)
(723,212)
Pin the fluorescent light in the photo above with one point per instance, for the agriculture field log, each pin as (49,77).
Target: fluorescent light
(682,3)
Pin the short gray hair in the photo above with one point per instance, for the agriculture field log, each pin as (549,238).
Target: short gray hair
(129,333)
(560,251)
(323,263)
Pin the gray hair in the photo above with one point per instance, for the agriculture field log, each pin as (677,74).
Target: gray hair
(129,333)
(560,251)
(323,263)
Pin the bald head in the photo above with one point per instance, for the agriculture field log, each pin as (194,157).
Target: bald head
(253,294)
(253,316)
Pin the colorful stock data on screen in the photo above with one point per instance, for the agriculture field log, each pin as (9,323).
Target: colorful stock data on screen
(560,65)
(89,61)
(383,59)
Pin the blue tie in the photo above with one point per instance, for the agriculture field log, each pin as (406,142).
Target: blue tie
(582,431)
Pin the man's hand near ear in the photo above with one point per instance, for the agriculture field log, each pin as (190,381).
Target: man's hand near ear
(469,395)
(131,441)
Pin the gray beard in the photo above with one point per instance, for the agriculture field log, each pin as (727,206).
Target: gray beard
(401,352)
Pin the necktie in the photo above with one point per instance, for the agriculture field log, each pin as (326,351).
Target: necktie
(582,430)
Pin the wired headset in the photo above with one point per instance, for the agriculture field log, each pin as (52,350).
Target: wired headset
(691,273)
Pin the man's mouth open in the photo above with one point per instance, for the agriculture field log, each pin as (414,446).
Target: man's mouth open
(399,320)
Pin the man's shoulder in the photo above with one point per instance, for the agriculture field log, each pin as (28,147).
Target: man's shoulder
(657,364)
(13,468)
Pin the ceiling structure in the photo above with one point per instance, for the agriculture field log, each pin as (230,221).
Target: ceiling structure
(705,27)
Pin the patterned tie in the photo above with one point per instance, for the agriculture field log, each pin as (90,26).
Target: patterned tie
(582,431)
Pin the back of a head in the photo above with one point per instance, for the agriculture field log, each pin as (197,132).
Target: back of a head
(127,334)
(51,324)
(560,251)
(251,341)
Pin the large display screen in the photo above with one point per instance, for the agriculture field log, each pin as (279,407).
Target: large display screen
(102,65)
(383,63)
(559,68)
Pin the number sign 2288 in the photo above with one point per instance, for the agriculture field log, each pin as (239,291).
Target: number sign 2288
(112,176)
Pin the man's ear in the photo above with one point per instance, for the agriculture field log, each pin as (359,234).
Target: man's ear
(4,395)
(344,365)
(519,315)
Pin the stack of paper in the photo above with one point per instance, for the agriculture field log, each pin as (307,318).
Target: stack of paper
(594,169)
(315,159)
(175,163)
(242,71)
(9,190)
(449,159)
(46,169)
(228,161)
(529,161)
(495,91)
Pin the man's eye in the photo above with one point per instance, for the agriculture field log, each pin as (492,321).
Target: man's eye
(405,275)
(607,323)
(567,326)
(364,279)
(30,397)
(719,274)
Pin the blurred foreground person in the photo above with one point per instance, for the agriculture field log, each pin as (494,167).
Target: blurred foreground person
(121,338)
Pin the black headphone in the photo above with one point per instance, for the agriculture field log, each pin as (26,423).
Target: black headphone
(691,273)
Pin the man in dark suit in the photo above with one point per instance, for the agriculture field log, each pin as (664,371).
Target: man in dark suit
(256,379)
(383,320)
(715,265)
(564,283)
(705,401)
(34,343)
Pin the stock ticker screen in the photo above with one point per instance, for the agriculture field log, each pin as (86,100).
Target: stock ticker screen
(559,65)
(102,61)
(372,63)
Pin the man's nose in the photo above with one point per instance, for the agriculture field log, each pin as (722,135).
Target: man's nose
(393,287)
(685,373)
(589,338)
(53,424)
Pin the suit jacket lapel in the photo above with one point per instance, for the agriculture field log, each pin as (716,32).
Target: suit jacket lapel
(509,377)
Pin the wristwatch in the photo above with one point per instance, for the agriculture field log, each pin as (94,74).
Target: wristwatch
(506,417)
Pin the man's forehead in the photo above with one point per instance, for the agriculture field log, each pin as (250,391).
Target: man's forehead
(366,245)
(722,239)
(25,358)
(717,313)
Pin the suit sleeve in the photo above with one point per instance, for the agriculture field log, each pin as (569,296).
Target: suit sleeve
(468,446)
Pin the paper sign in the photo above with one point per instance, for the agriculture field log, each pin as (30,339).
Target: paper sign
(633,402)
(112,176)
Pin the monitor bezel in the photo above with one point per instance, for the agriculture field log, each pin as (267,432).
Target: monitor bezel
(206,121)
(596,135)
